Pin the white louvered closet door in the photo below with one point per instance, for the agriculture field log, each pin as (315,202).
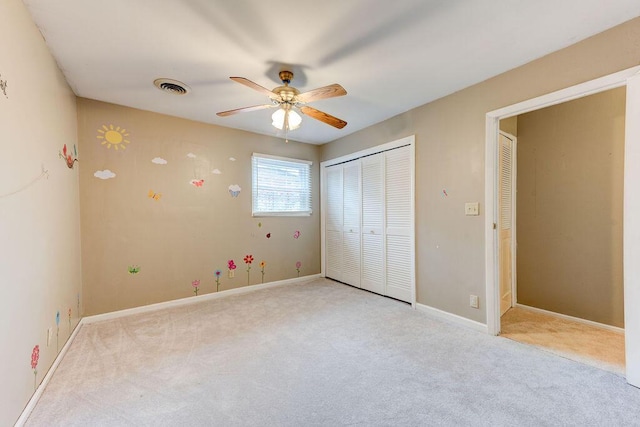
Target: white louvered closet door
(506,216)
(334,223)
(399,224)
(373,260)
(351,253)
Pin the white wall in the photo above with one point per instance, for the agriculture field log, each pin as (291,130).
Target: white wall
(40,270)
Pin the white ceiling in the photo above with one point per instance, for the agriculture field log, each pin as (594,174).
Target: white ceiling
(390,56)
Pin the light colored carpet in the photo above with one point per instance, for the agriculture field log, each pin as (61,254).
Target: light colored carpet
(318,354)
(588,344)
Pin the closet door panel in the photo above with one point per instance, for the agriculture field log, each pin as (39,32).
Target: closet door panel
(334,260)
(351,259)
(351,223)
(373,263)
(373,258)
(334,223)
(399,268)
(399,224)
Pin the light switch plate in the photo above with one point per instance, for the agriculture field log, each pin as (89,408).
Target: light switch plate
(471,209)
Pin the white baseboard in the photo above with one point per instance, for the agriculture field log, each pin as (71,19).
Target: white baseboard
(43,384)
(194,299)
(452,318)
(575,319)
(152,307)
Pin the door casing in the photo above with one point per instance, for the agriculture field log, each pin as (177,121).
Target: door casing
(631,79)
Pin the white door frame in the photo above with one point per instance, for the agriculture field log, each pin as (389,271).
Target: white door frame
(631,235)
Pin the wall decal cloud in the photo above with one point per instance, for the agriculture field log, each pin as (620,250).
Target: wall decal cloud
(104,174)
(159,161)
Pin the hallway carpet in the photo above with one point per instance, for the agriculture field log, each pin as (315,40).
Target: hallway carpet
(318,354)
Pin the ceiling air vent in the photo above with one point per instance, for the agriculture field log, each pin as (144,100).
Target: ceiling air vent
(172,86)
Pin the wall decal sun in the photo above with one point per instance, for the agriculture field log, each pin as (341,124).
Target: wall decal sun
(113,136)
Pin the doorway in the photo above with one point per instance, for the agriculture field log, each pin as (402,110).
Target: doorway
(631,80)
(569,222)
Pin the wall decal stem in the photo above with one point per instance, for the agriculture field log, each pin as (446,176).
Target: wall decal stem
(218,273)
(232,267)
(248,259)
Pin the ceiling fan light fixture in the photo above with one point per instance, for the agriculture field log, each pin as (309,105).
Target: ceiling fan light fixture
(278,119)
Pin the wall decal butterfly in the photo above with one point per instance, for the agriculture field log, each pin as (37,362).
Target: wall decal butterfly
(154,196)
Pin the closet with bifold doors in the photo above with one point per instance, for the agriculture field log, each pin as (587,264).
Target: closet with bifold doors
(368,220)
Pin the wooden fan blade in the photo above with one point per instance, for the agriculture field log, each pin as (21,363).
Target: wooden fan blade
(323,117)
(254,86)
(245,110)
(324,92)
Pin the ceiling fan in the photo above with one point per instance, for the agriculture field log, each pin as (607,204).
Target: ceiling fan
(289,99)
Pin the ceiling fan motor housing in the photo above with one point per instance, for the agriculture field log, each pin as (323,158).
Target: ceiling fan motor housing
(286,93)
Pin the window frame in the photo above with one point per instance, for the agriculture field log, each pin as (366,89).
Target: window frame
(255,187)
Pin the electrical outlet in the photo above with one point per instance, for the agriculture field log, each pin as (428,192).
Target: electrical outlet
(231,274)
(49,335)
(473,301)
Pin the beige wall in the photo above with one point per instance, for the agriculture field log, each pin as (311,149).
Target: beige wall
(189,232)
(510,125)
(569,208)
(39,214)
(450,150)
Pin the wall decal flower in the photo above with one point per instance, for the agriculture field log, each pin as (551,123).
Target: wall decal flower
(35,356)
(298,265)
(296,234)
(197,182)
(248,259)
(231,265)
(195,284)
(262,266)
(268,235)
(218,273)
(57,328)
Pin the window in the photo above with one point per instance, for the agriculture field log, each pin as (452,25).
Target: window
(281,186)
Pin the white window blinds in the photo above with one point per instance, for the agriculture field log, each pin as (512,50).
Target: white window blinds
(281,186)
